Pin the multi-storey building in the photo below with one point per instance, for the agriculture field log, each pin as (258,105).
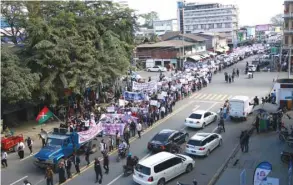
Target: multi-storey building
(163,26)
(288,29)
(208,17)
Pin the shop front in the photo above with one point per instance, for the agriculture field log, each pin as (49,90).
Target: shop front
(284,92)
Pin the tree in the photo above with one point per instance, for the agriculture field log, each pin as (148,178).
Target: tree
(13,12)
(17,81)
(149,18)
(277,20)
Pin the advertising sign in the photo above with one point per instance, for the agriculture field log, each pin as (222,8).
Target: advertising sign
(264,27)
(261,172)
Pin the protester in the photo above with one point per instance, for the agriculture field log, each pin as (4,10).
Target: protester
(76,162)
(98,171)
(4,159)
(49,175)
(139,129)
(106,163)
(29,143)
(68,165)
(61,173)
(20,149)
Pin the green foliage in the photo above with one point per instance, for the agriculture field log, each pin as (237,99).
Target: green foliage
(75,44)
(149,18)
(17,81)
(277,20)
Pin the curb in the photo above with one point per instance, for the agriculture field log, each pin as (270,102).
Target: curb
(219,172)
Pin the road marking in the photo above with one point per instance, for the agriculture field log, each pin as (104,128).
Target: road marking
(193,96)
(219,96)
(230,97)
(26,157)
(213,97)
(39,181)
(197,95)
(224,97)
(19,180)
(208,96)
(195,108)
(202,96)
(85,168)
(118,177)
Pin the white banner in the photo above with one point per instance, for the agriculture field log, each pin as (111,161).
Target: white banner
(154,102)
(87,135)
(148,86)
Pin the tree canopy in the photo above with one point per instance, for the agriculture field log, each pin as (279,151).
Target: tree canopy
(70,44)
(277,20)
(149,18)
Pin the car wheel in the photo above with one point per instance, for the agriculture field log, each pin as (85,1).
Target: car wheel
(161,182)
(189,168)
(203,125)
(208,153)
(220,142)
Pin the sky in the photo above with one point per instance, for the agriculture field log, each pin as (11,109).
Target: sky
(251,12)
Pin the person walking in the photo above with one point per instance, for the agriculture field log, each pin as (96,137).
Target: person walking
(87,155)
(61,173)
(246,142)
(117,138)
(26,182)
(111,143)
(68,165)
(76,162)
(139,129)
(20,148)
(132,128)
(98,171)
(43,137)
(4,159)
(106,163)
(29,143)
(103,147)
(49,175)
(237,72)
(242,140)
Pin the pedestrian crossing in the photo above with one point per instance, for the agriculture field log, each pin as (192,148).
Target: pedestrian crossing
(211,97)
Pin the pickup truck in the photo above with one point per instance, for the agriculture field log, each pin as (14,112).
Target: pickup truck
(60,144)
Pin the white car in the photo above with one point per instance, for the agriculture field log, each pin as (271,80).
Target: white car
(202,144)
(200,118)
(157,69)
(162,167)
(251,68)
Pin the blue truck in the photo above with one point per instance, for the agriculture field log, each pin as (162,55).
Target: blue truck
(59,144)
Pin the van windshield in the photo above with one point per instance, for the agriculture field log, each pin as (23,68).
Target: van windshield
(143,169)
(236,105)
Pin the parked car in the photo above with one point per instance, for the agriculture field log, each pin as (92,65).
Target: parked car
(251,68)
(162,140)
(200,118)
(202,144)
(157,69)
(161,167)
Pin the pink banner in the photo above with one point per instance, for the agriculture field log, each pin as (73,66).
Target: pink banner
(87,135)
(111,128)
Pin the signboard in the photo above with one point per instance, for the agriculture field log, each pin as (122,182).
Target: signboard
(243,177)
(264,27)
(261,172)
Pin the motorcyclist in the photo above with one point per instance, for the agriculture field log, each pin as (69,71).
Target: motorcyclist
(129,161)
(221,124)
(174,148)
(122,147)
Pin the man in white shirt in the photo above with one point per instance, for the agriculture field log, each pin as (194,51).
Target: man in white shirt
(20,148)
(103,146)
(4,159)
(163,110)
(139,129)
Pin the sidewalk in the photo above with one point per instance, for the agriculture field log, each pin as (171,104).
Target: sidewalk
(262,147)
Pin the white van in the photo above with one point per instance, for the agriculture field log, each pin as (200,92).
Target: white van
(240,107)
(161,167)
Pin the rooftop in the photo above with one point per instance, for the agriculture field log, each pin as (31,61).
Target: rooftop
(194,37)
(154,159)
(167,44)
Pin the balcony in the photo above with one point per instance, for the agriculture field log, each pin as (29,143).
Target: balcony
(288,30)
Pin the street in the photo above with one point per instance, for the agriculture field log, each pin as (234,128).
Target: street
(210,98)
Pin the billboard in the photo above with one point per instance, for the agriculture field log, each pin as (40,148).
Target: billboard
(263,27)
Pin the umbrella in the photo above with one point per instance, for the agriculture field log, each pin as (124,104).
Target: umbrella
(266,107)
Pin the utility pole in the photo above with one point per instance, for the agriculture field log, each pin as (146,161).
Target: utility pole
(289,63)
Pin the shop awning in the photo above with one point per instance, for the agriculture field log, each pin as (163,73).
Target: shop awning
(195,57)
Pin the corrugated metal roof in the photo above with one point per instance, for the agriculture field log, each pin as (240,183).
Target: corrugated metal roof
(169,43)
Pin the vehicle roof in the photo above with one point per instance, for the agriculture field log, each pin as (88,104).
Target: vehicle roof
(57,136)
(167,131)
(155,159)
(241,98)
(199,112)
(200,136)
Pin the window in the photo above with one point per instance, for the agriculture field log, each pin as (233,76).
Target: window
(219,25)
(161,137)
(195,142)
(176,160)
(211,25)
(206,114)
(228,25)
(195,116)
(143,169)
(163,166)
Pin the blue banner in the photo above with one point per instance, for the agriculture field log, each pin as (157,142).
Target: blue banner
(133,96)
(261,172)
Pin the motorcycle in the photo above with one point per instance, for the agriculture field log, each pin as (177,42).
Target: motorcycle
(121,154)
(284,135)
(286,157)
(220,129)
(128,170)
(194,183)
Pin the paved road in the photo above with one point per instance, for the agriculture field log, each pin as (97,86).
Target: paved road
(211,98)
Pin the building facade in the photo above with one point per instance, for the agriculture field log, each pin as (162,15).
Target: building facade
(208,17)
(163,26)
(288,30)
